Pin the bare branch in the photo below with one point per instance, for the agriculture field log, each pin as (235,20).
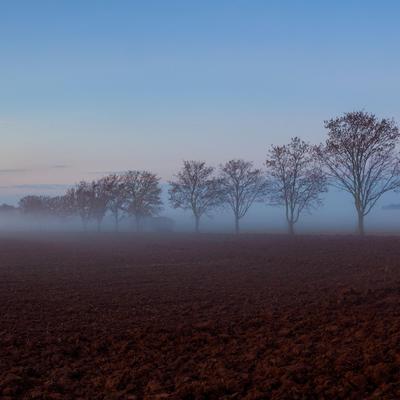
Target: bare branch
(360,157)
(195,189)
(241,185)
(295,178)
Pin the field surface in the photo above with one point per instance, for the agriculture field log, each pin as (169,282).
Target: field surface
(199,317)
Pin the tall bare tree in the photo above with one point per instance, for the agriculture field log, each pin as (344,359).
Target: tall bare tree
(296,179)
(89,200)
(241,185)
(100,199)
(361,158)
(195,189)
(117,196)
(80,199)
(143,193)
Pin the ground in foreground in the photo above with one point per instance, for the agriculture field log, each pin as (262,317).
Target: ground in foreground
(199,317)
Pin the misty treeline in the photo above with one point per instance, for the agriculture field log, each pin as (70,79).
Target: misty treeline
(132,194)
(360,156)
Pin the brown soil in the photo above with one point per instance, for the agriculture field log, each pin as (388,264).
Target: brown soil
(199,317)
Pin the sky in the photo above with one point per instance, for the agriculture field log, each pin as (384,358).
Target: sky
(96,86)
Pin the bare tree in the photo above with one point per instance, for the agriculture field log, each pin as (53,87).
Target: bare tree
(241,186)
(117,196)
(195,189)
(35,205)
(100,199)
(37,208)
(296,179)
(80,199)
(44,207)
(89,200)
(143,193)
(60,207)
(361,158)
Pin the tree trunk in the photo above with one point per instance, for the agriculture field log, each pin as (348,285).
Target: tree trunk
(291,227)
(197,224)
(116,221)
(361,231)
(237,229)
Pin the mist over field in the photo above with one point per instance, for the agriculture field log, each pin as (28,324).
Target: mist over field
(336,216)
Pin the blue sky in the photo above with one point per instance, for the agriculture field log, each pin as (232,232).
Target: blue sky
(88,87)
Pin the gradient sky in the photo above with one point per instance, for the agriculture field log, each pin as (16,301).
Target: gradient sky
(88,87)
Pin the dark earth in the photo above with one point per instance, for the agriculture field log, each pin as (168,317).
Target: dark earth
(103,316)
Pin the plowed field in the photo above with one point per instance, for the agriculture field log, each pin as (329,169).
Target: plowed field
(199,317)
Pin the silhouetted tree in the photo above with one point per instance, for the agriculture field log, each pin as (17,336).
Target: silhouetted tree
(90,201)
(34,205)
(60,207)
(195,189)
(37,208)
(100,199)
(361,158)
(295,179)
(80,199)
(143,193)
(241,186)
(117,196)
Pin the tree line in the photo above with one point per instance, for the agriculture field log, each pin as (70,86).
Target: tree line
(359,156)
